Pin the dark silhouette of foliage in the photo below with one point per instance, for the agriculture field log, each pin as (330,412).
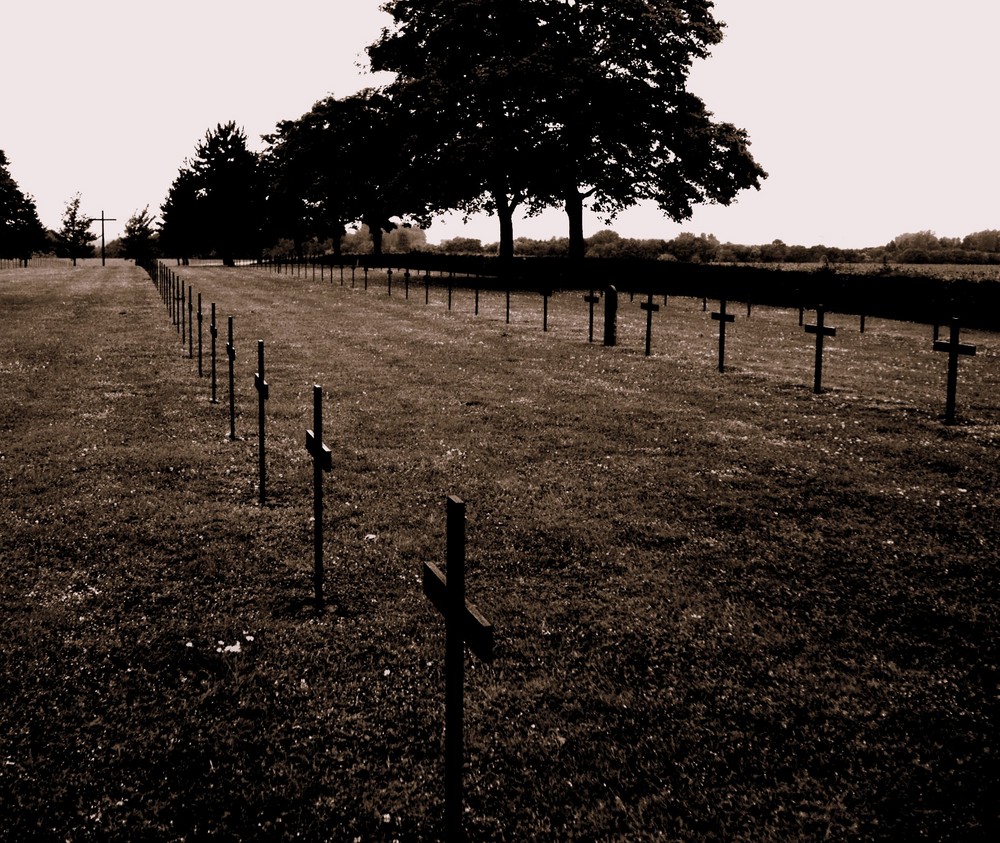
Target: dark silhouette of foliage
(21,232)
(215,205)
(138,242)
(74,238)
(560,103)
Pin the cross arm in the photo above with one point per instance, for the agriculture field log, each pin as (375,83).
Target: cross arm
(320,452)
(825,330)
(477,632)
(958,348)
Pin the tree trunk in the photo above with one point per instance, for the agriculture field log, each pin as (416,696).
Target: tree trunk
(376,233)
(574,210)
(505,215)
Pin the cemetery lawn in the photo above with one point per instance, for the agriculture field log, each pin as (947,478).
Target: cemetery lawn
(726,609)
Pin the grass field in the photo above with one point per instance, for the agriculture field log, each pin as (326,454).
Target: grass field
(726,608)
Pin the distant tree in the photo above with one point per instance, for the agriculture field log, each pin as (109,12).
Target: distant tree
(982,241)
(138,241)
(344,163)
(461,246)
(404,239)
(181,224)
(21,232)
(74,239)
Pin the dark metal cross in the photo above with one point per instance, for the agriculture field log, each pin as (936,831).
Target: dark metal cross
(591,300)
(464,624)
(103,219)
(650,309)
(322,461)
(201,318)
(820,330)
(722,318)
(213,330)
(190,324)
(263,393)
(954,348)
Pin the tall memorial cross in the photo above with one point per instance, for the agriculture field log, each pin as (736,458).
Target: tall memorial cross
(103,219)
(263,393)
(722,318)
(591,300)
(954,348)
(650,309)
(821,331)
(179,307)
(213,330)
(464,624)
(322,461)
(546,294)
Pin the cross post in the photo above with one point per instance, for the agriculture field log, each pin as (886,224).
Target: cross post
(180,306)
(201,319)
(508,305)
(722,318)
(545,307)
(213,330)
(450,285)
(263,393)
(954,348)
(463,625)
(406,283)
(820,330)
(322,461)
(591,300)
(427,287)
(231,354)
(190,324)
(650,309)
(388,276)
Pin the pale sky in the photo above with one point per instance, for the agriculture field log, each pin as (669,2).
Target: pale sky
(872,117)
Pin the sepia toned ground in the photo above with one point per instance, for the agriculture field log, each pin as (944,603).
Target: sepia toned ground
(726,608)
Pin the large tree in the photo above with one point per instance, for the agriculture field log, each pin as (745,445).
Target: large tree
(564,102)
(21,232)
(345,162)
(215,205)
(74,238)
(464,77)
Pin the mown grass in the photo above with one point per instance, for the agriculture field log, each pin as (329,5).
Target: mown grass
(727,609)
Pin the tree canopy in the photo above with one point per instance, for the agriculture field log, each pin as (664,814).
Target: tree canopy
(549,102)
(21,232)
(215,204)
(74,238)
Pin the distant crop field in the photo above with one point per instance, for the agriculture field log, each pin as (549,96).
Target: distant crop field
(971,272)
(726,608)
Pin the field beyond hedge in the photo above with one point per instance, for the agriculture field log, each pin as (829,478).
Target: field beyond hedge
(726,608)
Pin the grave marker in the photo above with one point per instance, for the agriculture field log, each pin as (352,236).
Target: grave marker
(722,318)
(591,300)
(545,307)
(650,309)
(190,324)
(954,348)
(201,319)
(213,330)
(610,316)
(821,331)
(322,461)
(463,625)
(388,277)
(427,287)
(406,284)
(231,354)
(263,393)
